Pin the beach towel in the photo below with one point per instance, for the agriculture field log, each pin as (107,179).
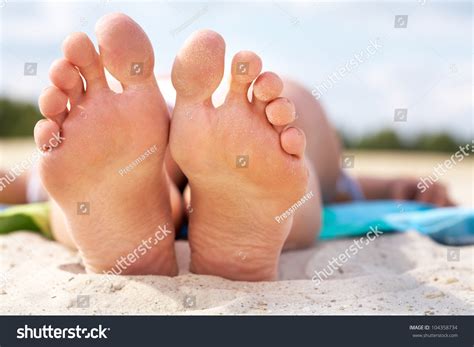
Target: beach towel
(32,217)
(450,226)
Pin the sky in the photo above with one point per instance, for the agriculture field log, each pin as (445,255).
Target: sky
(364,70)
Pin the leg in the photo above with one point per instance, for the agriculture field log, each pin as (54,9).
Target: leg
(323,150)
(323,147)
(13,192)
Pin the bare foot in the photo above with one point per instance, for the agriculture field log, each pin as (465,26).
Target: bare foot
(107,174)
(244,164)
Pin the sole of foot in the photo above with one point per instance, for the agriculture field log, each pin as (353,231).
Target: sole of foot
(106,172)
(244,161)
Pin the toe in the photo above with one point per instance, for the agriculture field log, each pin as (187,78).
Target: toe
(66,77)
(46,134)
(267,87)
(53,104)
(246,66)
(280,111)
(293,141)
(125,50)
(199,67)
(80,51)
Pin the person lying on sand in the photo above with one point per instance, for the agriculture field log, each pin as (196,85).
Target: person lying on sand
(246,163)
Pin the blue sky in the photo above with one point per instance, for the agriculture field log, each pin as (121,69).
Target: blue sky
(425,67)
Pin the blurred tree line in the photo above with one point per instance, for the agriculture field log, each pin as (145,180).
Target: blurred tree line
(388,139)
(17,119)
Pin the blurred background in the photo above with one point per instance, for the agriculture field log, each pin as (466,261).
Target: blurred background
(404,104)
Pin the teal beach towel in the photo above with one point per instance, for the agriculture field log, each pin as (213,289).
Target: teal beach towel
(449,225)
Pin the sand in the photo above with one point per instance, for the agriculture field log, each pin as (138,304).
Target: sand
(396,274)
(404,273)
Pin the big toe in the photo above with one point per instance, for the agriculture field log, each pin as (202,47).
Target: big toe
(199,66)
(125,49)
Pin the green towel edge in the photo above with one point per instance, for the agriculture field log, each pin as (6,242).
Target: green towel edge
(31,217)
